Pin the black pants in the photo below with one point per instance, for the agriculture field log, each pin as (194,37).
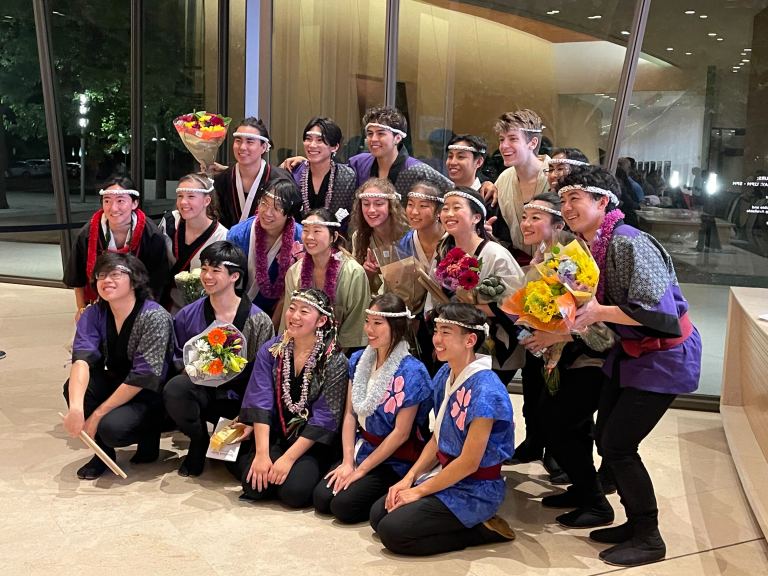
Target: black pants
(353,505)
(138,421)
(296,491)
(567,425)
(534,389)
(425,527)
(192,406)
(625,417)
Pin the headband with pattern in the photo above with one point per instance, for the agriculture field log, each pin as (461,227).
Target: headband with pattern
(393,130)
(466,148)
(313,133)
(422,196)
(480,327)
(532,129)
(119,267)
(385,195)
(568,161)
(320,223)
(543,208)
(468,197)
(307,299)
(119,191)
(592,189)
(192,189)
(406,314)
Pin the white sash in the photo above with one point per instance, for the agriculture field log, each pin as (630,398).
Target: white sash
(247,203)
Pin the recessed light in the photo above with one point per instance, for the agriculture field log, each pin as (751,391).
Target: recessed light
(625,32)
(595,17)
(719,39)
(688,53)
(747,49)
(690,11)
(670,49)
(745,61)
(734,71)
(712,34)
(553,12)
(703,16)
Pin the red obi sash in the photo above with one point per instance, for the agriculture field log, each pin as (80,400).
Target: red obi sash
(486,473)
(637,348)
(410,450)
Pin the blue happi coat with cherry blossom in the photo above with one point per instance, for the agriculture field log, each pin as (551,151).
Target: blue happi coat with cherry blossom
(410,386)
(482,395)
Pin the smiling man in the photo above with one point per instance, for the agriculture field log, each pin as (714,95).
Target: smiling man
(466,155)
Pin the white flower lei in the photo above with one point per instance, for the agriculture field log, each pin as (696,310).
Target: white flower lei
(367,394)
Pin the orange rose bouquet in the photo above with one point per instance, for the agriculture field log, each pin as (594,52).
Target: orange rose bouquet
(216,355)
(202,133)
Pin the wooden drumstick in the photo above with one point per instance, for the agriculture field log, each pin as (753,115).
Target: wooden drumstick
(88,441)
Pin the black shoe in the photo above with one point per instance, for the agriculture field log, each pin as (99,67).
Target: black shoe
(636,551)
(92,470)
(613,535)
(146,453)
(607,482)
(525,453)
(2,354)
(597,514)
(557,475)
(194,462)
(567,499)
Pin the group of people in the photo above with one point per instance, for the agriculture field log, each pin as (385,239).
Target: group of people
(344,376)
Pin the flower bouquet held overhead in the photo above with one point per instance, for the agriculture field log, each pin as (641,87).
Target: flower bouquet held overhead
(216,355)
(565,280)
(202,133)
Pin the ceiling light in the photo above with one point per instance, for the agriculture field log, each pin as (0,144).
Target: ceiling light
(595,17)
(712,34)
(703,16)
(747,49)
(735,70)
(719,39)
(688,53)
(670,49)
(690,11)
(745,61)
(625,33)
(553,12)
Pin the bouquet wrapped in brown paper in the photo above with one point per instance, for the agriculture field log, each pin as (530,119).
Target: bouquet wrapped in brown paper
(202,133)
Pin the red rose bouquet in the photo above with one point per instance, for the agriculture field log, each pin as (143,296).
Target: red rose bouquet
(202,133)
(458,270)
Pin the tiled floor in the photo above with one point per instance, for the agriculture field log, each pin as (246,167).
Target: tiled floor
(156,522)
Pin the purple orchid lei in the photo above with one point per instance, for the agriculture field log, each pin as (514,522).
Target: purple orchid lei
(305,187)
(284,260)
(599,246)
(331,273)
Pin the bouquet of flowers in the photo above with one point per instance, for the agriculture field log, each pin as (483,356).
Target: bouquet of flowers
(554,289)
(216,355)
(202,133)
(190,285)
(401,274)
(458,270)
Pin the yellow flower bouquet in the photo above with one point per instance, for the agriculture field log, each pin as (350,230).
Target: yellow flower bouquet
(202,133)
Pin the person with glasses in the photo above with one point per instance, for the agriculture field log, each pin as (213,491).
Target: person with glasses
(270,242)
(119,226)
(120,356)
(188,231)
(239,187)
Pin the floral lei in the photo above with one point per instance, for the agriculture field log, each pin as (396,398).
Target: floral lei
(367,394)
(599,246)
(331,274)
(266,287)
(285,372)
(305,186)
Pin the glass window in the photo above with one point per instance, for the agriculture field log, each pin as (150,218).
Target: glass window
(695,142)
(328,60)
(26,193)
(462,64)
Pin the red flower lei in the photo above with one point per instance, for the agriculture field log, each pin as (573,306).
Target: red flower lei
(284,260)
(599,246)
(94,248)
(331,274)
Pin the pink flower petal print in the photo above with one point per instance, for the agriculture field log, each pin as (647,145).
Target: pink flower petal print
(460,420)
(459,407)
(455,409)
(390,405)
(398,384)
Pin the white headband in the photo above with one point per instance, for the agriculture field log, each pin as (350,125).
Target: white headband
(312,303)
(466,148)
(313,133)
(393,130)
(395,196)
(251,136)
(592,189)
(483,327)
(429,197)
(568,161)
(202,190)
(320,223)
(468,197)
(406,314)
(532,129)
(228,263)
(118,192)
(543,209)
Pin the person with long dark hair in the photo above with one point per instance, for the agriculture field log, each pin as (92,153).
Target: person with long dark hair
(239,186)
(120,356)
(294,403)
(119,226)
(188,230)
(269,240)
(560,164)
(386,419)
(190,405)
(435,510)
(657,358)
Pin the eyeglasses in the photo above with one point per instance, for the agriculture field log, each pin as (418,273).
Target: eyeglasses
(266,205)
(114,275)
